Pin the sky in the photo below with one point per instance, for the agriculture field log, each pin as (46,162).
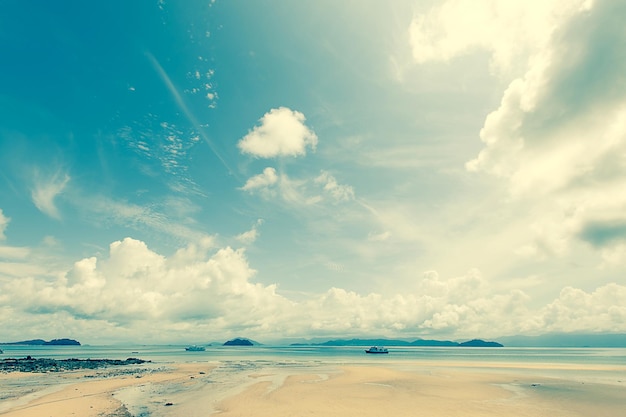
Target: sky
(200,170)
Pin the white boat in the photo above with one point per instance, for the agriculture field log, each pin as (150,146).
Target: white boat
(377,349)
(195,348)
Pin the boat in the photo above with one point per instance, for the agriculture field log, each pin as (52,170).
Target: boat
(377,349)
(195,348)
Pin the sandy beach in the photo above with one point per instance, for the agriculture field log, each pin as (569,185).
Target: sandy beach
(203,389)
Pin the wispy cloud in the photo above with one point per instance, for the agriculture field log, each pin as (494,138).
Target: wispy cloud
(168,146)
(299,192)
(337,192)
(139,217)
(45,191)
(251,235)
(4,222)
(185,109)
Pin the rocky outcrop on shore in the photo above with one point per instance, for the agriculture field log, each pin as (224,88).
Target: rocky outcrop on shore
(41,365)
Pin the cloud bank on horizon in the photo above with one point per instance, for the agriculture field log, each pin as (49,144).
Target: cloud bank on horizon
(458,173)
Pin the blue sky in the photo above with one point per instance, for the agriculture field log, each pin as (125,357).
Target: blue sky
(191,171)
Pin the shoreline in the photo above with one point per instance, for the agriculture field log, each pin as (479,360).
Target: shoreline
(265,388)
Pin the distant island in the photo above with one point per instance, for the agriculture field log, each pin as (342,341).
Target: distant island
(391,342)
(239,341)
(41,342)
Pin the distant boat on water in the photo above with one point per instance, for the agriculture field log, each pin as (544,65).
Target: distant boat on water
(377,349)
(195,348)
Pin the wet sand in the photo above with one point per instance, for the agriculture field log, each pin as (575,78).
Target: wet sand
(203,389)
(366,391)
(83,393)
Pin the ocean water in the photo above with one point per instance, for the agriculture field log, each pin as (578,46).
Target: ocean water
(601,357)
(234,365)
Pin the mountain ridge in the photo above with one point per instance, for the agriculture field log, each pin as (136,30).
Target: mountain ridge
(41,342)
(397,342)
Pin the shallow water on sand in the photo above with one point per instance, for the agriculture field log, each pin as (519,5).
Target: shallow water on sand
(177,353)
(236,368)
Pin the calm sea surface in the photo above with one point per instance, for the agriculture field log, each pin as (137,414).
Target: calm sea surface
(331,355)
(233,365)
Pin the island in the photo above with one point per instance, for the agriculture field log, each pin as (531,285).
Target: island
(391,342)
(239,341)
(480,343)
(41,342)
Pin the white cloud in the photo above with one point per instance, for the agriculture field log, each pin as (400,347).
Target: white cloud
(509,30)
(558,138)
(560,131)
(282,133)
(264,180)
(199,293)
(135,284)
(251,235)
(330,186)
(46,190)
(4,222)
(299,192)
(577,311)
(12,252)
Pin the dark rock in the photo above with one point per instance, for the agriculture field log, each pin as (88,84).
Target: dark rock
(30,364)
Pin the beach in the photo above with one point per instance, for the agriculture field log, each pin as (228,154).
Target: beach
(267,388)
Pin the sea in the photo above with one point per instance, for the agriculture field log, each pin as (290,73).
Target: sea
(492,357)
(234,364)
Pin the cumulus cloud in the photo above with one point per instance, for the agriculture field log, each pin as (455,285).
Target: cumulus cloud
(508,30)
(560,130)
(46,190)
(4,222)
(559,134)
(282,132)
(603,310)
(135,284)
(464,306)
(201,292)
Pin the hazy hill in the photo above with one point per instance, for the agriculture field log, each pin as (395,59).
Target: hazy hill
(41,342)
(567,340)
(392,342)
